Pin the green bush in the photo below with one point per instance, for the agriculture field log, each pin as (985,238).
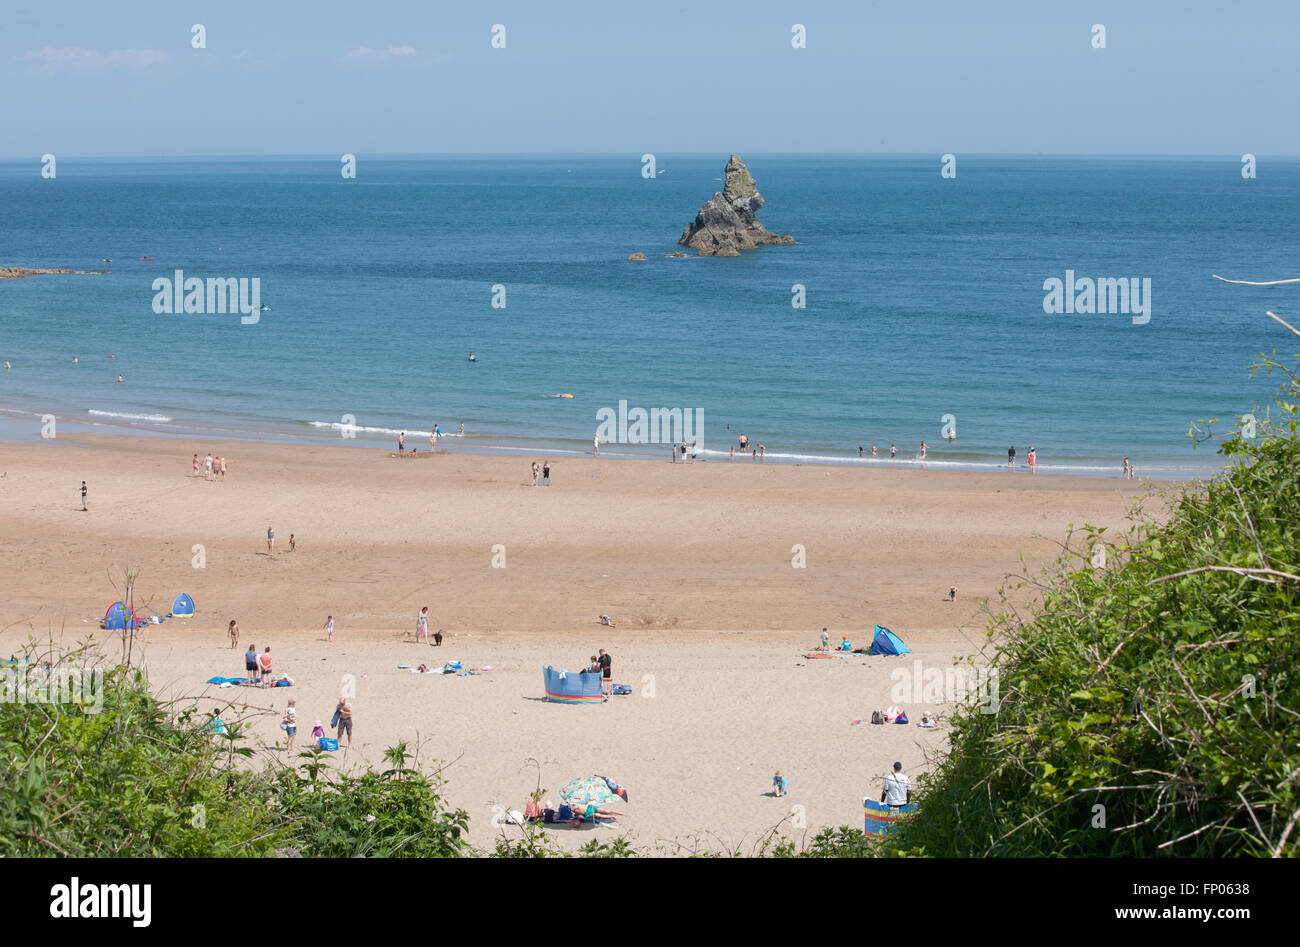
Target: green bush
(1162,689)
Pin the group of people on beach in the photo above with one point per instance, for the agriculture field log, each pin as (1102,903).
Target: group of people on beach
(543,471)
(341,721)
(601,664)
(270,541)
(214,468)
(758,452)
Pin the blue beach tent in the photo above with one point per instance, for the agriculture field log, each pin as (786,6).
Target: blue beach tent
(886,642)
(183,607)
(119,616)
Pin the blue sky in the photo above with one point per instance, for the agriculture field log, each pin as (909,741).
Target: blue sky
(663,76)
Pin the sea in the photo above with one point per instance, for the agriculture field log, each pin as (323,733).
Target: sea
(912,307)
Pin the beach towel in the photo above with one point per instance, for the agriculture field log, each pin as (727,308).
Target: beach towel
(227,680)
(622,688)
(334,721)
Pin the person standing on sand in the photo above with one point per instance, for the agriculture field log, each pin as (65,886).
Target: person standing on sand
(898,788)
(401,443)
(606,672)
(329,627)
(83,496)
(270,541)
(290,725)
(422,625)
(223,470)
(1033,458)
(232,631)
(264,665)
(196,465)
(1011,456)
(250,663)
(536,470)
(952,593)
(1124,473)
(344,710)
(207,466)
(293,545)
(826,639)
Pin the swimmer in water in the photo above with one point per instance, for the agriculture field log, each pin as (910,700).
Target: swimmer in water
(873,450)
(119,379)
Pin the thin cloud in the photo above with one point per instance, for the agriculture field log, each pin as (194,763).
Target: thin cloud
(392,52)
(76,59)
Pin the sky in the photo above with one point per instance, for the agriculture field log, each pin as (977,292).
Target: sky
(282,77)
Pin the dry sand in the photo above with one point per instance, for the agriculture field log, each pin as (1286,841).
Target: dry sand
(693,561)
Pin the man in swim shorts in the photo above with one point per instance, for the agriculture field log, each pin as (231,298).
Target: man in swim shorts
(345,720)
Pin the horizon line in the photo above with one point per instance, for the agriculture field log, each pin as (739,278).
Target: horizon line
(387,155)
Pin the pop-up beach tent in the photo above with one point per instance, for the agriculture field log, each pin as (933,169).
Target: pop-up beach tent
(119,616)
(886,642)
(571,687)
(183,607)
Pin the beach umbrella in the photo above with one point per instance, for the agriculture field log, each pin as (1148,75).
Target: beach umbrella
(586,790)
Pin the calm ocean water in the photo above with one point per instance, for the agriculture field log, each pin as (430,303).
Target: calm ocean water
(924,298)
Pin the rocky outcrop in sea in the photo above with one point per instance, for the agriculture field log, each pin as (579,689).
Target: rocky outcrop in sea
(728,223)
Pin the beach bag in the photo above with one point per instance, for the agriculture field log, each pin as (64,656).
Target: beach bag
(548,816)
(328,743)
(565,813)
(901,718)
(877,717)
(622,688)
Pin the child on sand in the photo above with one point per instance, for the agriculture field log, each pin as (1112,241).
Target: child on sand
(233,632)
(422,625)
(317,732)
(270,541)
(778,784)
(290,724)
(606,620)
(826,639)
(292,545)
(329,627)
(196,465)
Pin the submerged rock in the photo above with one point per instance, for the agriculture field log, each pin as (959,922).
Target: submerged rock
(728,223)
(22,272)
(636,257)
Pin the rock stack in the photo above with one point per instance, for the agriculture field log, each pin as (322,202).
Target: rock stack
(728,223)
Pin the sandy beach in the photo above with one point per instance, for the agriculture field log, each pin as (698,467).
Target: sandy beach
(694,562)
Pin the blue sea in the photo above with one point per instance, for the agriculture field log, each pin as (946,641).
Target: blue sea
(924,298)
